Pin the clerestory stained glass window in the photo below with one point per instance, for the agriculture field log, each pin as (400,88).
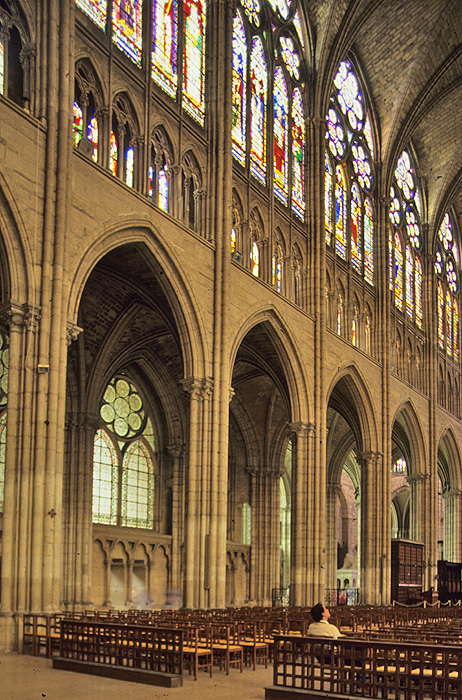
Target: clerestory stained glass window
(258,117)
(350,143)
(164,58)
(123,459)
(268,118)
(404,213)
(96,10)
(448,271)
(194,59)
(127,27)
(239,90)
(280,136)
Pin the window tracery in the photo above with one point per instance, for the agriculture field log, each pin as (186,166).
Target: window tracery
(405,210)
(447,269)
(268,109)
(349,175)
(123,459)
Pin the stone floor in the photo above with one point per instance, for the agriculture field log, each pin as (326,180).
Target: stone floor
(24,677)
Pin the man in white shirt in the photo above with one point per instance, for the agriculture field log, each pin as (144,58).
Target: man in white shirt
(321,627)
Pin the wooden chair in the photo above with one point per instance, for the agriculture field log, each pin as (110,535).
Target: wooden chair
(197,651)
(226,647)
(252,640)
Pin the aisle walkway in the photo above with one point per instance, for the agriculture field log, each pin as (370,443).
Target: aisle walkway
(24,677)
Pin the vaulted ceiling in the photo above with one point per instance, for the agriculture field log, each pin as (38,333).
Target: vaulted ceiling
(410,52)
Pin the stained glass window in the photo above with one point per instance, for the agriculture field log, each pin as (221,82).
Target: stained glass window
(252,10)
(233,240)
(448,322)
(163,190)
(404,216)
(280,136)
(440,315)
(298,155)
(447,268)
(277,268)
(340,213)
(77,123)
(92,136)
(259,90)
(129,167)
(399,467)
(391,258)
(137,487)
(239,90)
(194,59)
(418,292)
(328,187)
(455,323)
(409,282)
(254,259)
(398,273)
(165,45)
(356,221)
(96,10)
(113,154)
(123,465)
(127,34)
(2,68)
(353,332)
(368,242)
(105,479)
(349,140)
(349,96)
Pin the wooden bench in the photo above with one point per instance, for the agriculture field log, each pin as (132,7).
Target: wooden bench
(140,653)
(346,668)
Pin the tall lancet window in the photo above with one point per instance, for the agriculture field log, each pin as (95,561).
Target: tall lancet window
(447,268)
(405,211)
(349,175)
(268,118)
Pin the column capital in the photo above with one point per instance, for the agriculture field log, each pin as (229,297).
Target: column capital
(176,451)
(418,478)
(73,332)
(19,315)
(300,429)
(369,457)
(197,388)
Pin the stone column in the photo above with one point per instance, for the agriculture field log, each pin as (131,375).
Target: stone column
(265,533)
(374,516)
(299,520)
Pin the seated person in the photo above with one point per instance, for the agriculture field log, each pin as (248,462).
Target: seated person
(321,627)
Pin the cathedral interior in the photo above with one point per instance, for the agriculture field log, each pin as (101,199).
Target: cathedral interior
(230,256)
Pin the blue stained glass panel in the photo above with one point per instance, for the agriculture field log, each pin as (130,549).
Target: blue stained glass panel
(259,91)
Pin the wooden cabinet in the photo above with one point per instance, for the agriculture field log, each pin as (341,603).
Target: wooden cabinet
(406,570)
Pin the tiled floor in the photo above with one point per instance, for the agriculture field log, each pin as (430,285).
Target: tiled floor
(24,677)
